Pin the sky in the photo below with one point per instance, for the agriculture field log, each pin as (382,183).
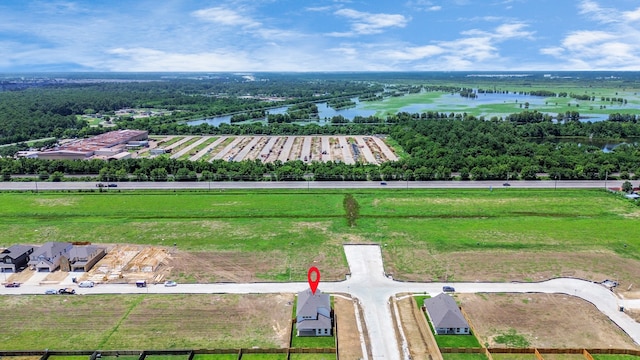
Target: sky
(319,35)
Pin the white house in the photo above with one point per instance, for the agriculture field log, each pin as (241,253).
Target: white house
(446,317)
(313,314)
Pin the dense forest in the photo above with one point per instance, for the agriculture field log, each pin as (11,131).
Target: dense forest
(433,145)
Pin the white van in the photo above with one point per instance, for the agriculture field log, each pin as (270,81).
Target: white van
(86,284)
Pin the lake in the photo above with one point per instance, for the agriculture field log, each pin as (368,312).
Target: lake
(445,103)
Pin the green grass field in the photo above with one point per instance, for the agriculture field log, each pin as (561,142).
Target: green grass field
(444,102)
(460,356)
(215,357)
(408,224)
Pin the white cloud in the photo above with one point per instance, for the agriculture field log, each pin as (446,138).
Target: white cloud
(615,45)
(581,40)
(146,59)
(631,15)
(225,16)
(598,13)
(553,51)
(412,53)
(363,23)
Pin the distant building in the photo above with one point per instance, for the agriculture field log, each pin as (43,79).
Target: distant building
(445,315)
(107,144)
(157,151)
(314,316)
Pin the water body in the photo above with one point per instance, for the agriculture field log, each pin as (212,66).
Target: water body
(445,103)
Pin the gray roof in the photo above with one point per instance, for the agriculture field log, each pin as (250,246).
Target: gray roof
(15,251)
(444,312)
(51,249)
(309,303)
(82,252)
(323,322)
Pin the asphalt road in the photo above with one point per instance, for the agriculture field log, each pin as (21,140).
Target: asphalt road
(213,186)
(368,283)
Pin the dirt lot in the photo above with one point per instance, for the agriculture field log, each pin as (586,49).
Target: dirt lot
(416,337)
(348,338)
(544,320)
(516,266)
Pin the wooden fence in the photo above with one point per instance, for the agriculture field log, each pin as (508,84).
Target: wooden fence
(142,354)
(425,331)
(538,353)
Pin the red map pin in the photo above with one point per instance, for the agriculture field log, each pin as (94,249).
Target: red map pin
(313,284)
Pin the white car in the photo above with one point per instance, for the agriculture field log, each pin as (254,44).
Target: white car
(169,283)
(86,284)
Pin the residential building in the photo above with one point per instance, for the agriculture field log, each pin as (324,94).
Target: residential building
(81,258)
(314,316)
(47,257)
(15,257)
(445,315)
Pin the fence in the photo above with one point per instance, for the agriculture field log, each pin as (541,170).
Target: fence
(427,335)
(142,354)
(538,352)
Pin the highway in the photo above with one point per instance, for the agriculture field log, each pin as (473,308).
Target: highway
(212,185)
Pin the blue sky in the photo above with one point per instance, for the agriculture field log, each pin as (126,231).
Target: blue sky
(319,35)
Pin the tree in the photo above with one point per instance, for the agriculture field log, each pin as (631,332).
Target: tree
(627,187)
(57,176)
(6,175)
(159,174)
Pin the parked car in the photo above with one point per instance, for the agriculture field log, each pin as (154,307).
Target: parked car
(86,284)
(99,185)
(141,283)
(506,184)
(50,292)
(448,289)
(67,291)
(112,185)
(12,284)
(170,283)
(383,183)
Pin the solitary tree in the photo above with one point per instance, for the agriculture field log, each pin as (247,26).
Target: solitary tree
(627,187)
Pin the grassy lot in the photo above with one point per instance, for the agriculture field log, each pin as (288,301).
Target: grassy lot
(463,356)
(412,226)
(312,357)
(457,341)
(143,322)
(615,357)
(513,356)
(215,357)
(166,357)
(264,356)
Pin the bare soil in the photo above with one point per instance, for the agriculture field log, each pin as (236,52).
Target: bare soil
(514,266)
(544,320)
(417,343)
(348,337)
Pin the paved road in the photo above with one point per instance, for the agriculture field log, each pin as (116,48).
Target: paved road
(368,284)
(489,185)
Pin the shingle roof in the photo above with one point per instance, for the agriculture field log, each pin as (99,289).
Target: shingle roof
(323,322)
(309,303)
(16,250)
(444,312)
